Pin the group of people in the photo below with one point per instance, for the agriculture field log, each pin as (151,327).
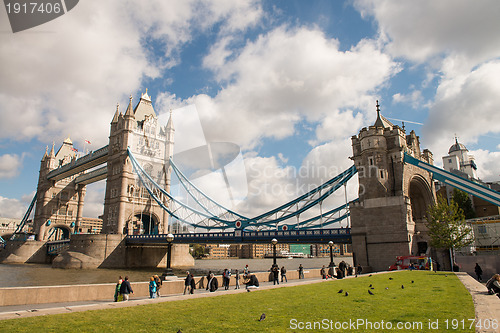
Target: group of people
(275,271)
(250,280)
(343,270)
(493,284)
(123,289)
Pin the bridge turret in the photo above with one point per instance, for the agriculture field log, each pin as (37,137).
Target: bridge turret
(388,220)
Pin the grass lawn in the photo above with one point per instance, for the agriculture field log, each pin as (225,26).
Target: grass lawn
(432,298)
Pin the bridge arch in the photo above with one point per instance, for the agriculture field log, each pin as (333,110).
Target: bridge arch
(57,232)
(421,198)
(144,223)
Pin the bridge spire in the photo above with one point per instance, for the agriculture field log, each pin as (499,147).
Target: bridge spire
(117,114)
(46,153)
(130,111)
(52,154)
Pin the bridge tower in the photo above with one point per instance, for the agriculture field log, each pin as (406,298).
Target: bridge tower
(128,208)
(389,218)
(59,203)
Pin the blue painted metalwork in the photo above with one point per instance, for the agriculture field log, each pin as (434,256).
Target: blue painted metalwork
(25,218)
(294,208)
(338,235)
(56,247)
(463,184)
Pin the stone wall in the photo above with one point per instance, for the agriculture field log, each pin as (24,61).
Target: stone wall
(105,291)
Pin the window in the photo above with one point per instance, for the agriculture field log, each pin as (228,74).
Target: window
(481,229)
(449,160)
(382,174)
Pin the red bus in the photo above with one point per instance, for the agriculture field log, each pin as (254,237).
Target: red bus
(412,262)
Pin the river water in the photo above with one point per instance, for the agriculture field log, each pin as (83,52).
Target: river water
(44,275)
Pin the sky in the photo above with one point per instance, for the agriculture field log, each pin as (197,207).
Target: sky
(289,82)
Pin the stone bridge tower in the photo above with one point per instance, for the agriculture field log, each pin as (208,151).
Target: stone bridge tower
(59,204)
(389,218)
(128,207)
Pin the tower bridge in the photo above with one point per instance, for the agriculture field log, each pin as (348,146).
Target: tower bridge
(396,186)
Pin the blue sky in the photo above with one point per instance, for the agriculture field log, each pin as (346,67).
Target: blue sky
(288,81)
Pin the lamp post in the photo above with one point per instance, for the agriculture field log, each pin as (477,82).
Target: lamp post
(274,241)
(331,254)
(168,270)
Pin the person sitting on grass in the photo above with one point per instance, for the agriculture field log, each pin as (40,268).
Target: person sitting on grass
(493,285)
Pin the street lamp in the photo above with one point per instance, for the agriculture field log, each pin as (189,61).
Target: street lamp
(274,241)
(168,270)
(331,254)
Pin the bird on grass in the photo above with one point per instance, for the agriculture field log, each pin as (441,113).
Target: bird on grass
(370,286)
(402,287)
(179,331)
(262,317)
(391,278)
(346,293)
(412,281)
(369,275)
(369,292)
(340,291)
(386,288)
(248,290)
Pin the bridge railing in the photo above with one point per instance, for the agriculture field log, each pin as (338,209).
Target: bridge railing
(56,247)
(340,235)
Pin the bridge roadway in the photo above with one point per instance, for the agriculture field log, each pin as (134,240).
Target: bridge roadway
(337,235)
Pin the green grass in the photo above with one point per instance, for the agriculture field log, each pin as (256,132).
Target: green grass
(433,297)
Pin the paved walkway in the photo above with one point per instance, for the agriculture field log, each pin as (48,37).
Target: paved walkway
(23,311)
(487,307)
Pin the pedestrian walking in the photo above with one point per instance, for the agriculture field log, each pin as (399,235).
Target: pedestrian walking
(359,269)
(212,284)
(193,284)
(479,272)
(322,272)
(126,289)
(159,283)
(226,276)
(237,279)
(118,296)
(283,274)
(187,282)
(301,272)
(276,272)
(246,271)
(152,287)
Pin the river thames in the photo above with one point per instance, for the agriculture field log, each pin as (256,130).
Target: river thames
(44,275)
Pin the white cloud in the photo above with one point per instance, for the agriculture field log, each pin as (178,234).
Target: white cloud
(10,165)
(415,98)
(286,76)
(466,106)
(487,164)
(14,208)
(420,30)
(64,77)
(94,199)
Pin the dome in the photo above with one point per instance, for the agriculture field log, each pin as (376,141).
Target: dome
(456,147)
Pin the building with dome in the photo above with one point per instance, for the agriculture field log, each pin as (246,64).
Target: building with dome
(458,159)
